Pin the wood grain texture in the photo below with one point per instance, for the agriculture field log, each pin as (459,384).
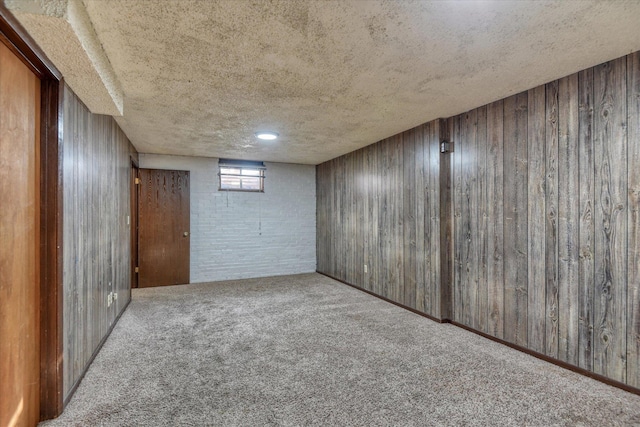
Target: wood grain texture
(432,136)
(96,236)
(543,205)
(395,183)
(551,226)
(458,299)
(410,220)
(482,202)
(580,218)
(51,251)
(163,210)
(387,265)
(495,213)
(446,222)
(373,229)
(19,242)
(396,220)
(469,281)
(430,140)
(515,220)
(421,174)
(536,219)
(587,226)
(610,295)
(633,251)
(20,43)
(568,219)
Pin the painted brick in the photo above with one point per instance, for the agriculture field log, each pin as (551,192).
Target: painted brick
(237,235)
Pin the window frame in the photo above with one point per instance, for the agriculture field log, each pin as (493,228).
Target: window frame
(241,166)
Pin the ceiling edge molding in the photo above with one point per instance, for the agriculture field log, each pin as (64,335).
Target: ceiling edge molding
(75,50)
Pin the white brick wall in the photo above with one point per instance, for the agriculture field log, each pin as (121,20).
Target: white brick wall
(238,235)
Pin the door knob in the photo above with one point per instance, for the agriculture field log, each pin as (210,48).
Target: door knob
(185,234)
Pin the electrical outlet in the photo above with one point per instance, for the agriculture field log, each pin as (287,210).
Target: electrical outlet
(109,299)
(366,268)
(115,296)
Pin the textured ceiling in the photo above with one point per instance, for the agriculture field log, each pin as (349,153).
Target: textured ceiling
(200,77)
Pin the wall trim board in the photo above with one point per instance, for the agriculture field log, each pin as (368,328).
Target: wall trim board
(550,359)
(413,310)
(14,36)
(75,386)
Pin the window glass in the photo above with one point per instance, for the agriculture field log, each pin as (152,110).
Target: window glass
(241,178)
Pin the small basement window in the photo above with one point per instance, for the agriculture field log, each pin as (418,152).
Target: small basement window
(241,175)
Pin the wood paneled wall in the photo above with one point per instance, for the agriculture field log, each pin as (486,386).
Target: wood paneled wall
(96,234)
(380,207)
(545,208)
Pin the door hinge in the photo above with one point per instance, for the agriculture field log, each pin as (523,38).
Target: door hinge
(137,181)
(137,269)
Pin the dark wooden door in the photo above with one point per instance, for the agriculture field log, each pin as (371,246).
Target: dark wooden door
(163,228)
(19,242)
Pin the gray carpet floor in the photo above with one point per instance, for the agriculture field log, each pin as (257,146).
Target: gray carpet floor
(307,350)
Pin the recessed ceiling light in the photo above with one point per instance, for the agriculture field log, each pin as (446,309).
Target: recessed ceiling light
(266,135)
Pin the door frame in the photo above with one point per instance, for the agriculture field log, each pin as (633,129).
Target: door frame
(134,220)
(14,36)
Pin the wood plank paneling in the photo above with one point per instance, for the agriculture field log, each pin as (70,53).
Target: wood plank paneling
(633,251)
(610,117)
(349,219)
(409,199)
(482,201)
(543,205)
(373,231)
(395,183)
(386,263)
(427,200)
(568,219)
(586,224)
(551,226)
(515,220)
(495,229)
(458,299)
(421,183)
(431,143)
(469,220)
(571,226)
(96,235)
(536,219)
(443,133)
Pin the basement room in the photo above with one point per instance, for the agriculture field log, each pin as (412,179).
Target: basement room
(319,212)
